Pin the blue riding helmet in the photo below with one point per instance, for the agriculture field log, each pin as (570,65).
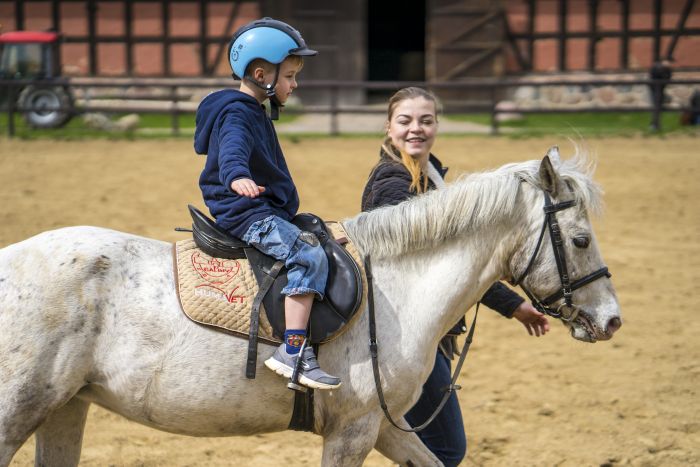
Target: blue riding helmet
(268,39)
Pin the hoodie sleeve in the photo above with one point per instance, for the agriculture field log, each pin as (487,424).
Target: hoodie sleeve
(236,144)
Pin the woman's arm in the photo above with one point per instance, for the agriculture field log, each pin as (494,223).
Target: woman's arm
(501,299)
(511,305)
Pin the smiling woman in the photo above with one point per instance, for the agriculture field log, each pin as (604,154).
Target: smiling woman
(407,168)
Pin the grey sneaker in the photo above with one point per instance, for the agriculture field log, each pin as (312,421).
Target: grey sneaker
(311,375)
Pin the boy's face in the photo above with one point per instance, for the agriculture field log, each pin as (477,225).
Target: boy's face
(286,81)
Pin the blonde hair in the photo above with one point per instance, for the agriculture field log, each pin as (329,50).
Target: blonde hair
(413,166)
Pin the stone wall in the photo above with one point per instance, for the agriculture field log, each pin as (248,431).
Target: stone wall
(586,96)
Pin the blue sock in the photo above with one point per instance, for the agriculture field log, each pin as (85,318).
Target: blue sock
(293,338)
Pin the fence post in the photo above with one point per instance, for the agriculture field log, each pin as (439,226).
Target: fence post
(11,111)
(658,102)
(494,121)
(334,111)
(174,111)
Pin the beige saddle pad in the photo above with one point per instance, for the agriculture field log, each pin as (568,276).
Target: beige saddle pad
(219,292)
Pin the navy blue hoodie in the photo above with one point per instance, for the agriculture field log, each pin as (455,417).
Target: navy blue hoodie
(237,136)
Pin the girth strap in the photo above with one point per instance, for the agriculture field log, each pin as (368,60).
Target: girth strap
(373,349)
(264,285)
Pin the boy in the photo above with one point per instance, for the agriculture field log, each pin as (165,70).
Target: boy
(246,183)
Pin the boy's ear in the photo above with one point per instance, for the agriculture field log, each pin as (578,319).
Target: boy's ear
(259,74)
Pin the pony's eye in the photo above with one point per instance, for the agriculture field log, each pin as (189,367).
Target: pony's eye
(582,241)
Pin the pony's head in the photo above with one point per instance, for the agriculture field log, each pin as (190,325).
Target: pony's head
(557,261)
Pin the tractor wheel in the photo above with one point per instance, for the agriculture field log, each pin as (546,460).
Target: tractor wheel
(46,107)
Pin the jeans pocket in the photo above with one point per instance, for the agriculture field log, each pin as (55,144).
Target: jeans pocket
(257,231)
(273,236)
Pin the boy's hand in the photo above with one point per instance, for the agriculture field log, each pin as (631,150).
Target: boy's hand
(247,187)
(535,322)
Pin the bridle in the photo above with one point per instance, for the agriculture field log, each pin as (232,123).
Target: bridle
(567,311)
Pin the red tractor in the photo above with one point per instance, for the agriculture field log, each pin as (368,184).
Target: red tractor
(34,56)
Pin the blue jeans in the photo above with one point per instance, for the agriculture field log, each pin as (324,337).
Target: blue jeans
(445,436)
(307,264)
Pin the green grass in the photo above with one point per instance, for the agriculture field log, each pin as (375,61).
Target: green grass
(583,123)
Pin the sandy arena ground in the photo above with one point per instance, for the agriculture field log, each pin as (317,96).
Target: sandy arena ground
(526,401)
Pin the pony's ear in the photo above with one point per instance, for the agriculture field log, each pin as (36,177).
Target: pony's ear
(553,154)
(549,177)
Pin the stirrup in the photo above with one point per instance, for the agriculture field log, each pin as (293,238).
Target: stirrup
(293,383)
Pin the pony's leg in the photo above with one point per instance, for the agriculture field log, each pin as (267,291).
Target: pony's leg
(8,448)
(20,415)
(404,448)
(348,443)
(59,439)
(58,432)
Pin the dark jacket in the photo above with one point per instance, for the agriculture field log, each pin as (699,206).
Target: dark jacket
(389,184)
(237,136)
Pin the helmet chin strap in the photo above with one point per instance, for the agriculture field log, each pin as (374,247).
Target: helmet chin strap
(269,89)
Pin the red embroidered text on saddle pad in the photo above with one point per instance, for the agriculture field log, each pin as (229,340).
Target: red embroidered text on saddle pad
(218,292)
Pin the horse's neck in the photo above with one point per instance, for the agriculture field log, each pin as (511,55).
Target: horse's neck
(430,290)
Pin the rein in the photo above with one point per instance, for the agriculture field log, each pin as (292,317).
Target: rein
(373,349)
(567,311)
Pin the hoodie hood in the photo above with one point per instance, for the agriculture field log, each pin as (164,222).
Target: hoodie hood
(211,109)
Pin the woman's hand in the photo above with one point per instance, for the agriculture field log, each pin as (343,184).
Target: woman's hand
(535,322)
(247,187)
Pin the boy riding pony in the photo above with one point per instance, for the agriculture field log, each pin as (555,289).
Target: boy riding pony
(246,183)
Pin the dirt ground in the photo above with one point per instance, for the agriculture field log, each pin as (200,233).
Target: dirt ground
(526,401)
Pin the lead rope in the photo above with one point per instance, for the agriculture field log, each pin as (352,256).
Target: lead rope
(373,347)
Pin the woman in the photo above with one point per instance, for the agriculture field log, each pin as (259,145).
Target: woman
(407,168)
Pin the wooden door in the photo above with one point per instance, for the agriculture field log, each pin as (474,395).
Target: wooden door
(464,39)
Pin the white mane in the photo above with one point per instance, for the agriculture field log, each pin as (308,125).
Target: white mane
(473,201)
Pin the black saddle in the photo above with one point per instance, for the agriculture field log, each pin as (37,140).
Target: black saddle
(343,290)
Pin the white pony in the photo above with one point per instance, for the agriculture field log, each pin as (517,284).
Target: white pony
(89,315)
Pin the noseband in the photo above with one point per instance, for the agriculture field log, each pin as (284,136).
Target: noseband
(567,311)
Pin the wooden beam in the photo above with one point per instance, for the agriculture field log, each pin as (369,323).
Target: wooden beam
(470,28)
(224,46)
(165,18)
(55,15)
(524,66)
(91,8)
(203,37)
(531,12)
(625,30)
(658,12)
(593,26)
(680,28)
(19,15)
(128,32)
(469,63)
(563,13)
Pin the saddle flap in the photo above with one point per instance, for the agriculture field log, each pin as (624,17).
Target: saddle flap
(344,287)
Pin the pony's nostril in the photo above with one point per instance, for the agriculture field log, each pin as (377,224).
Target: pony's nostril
(613,325)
